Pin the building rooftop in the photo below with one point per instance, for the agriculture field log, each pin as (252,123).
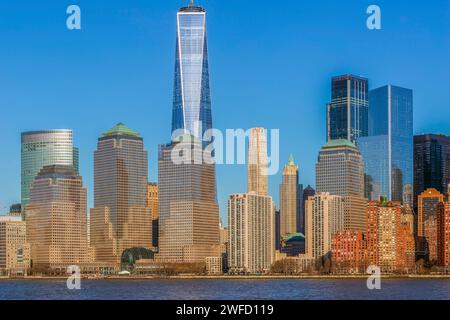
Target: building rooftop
(122,130)
(340,143)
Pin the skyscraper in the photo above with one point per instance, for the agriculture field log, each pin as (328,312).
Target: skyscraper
(340,169)
(188,209)
(189,213)
(324,217)
(44,148)
(427,215)
(152,203)
(252,232)
(388,151)
(192,99)
(291,194)
(120,219)
(57,219)
(348,111)
(431,163)
(389,237)
(257,161)
(307,192)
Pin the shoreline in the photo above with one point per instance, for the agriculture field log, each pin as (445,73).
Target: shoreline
(263,277)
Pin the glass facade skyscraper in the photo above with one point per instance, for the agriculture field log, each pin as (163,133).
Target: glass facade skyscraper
(189,213)
(347,114)
(191,96)
(388,151)
(44,148)
(431,163)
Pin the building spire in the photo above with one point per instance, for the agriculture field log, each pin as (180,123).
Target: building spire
(192,3)
(291,160)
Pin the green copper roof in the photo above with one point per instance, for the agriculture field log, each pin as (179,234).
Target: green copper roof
(340,143)
(121,129)
(291,160)
(294,237)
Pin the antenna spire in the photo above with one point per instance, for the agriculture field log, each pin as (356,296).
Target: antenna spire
(192,3)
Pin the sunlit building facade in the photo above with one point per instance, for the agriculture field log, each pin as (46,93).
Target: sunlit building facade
(252,233)
(324,217)
(257,161)
(291,193)
(427,223)
(14,249)
(120,218)
(57,219)
(188,209)
(44,148)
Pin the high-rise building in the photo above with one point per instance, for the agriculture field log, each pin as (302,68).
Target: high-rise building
(388,150)
(291,194)
(257,161)
(307,192)
(121,218)
(188,209)
(152,203)
(348,111)
(44,148)
(14,249)
(324,217)
(192,100)
(57,219)
(251,219)
(443,235)
(390,242)
(431,163)
(427,211)
(340,169)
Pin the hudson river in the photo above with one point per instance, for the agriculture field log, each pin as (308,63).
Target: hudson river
(207,289)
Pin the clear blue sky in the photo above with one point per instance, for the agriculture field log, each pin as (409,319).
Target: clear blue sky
(270,64)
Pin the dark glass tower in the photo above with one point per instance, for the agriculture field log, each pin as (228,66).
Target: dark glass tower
(191,96)
(347,114)
(431,163)
(388,151)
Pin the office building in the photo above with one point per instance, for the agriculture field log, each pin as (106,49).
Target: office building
(257,161)
(347,114)
(14,249)
(388,150)
(44,148)
(57,220)
(120,218)
(324,217)
(291,194)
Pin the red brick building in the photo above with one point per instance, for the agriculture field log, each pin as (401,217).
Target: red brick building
(348,251)
(443,235)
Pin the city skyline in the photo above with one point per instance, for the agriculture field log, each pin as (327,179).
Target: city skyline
(85,133)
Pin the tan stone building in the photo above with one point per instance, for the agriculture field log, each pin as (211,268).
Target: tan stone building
(324,217)
(189,213)
(57,220)
(14,249)
(251,219)
(257,161)
(290,199)
(121,218)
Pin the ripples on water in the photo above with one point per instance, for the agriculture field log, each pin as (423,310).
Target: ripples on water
(226,289)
